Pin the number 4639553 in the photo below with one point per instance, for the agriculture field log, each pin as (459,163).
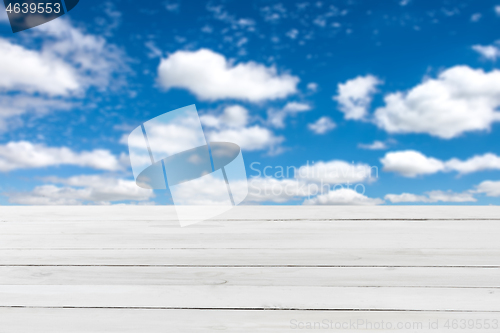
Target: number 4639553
(32,8)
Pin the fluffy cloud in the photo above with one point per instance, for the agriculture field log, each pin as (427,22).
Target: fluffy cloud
(286,190)
(209,190)
(26,155)
(461,99)
(56,74)
(34,71)
(312,86)
(410,163)
(170,137)
(344,196)
(313,184)
(490,52)
(354,96)
(15,105)
(337,172)
(233,116)
(490,188)
(322,125)
(69,60)
(376,145)
(431,197)
(278,190)
(476,17)
(210,76)
(96,62)
(276,117)
(248,138)
(232,126)
(474,164)
(79,190)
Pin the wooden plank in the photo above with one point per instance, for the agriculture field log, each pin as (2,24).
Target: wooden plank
(167,213)
(248,234)
(134,268)
(252,297)
(16,320)
(435,277)
(341,240)
(255,257)
(311,226)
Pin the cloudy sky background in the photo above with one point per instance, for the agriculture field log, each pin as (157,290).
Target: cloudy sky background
(401,98)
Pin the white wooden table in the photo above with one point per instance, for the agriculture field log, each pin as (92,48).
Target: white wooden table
(253,269)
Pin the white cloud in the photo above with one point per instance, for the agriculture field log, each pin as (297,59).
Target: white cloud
(274,13)
(490,52)
(295,107)
(97,62)
(322,125)
(26,155)
(234,116)
(154,51)
(312,183)
(475,17)
(172,6)
(354,96)
(15,105)
(376,145)
(477,163)
(209,190)
(170,137)
(234,22)
(210,76)
(337,172)
(431,197)
(82,190)
(113,19)
(286,190)
(410,163)
(406,197)
(404,2)
(248,138)
(490,188)
(344,196)
(66,62)
(33,71)
(232,125)
(277,190)
(461,99)
(497,10)
(277,117)
(292,34)
(312,86)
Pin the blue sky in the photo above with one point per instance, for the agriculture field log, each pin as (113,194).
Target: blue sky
(408,88)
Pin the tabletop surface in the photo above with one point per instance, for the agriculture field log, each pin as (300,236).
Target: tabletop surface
(252,269)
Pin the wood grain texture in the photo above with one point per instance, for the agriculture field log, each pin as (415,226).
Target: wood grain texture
(412,277)
(353,257)
(14,320)
(432,234)
(133,269)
